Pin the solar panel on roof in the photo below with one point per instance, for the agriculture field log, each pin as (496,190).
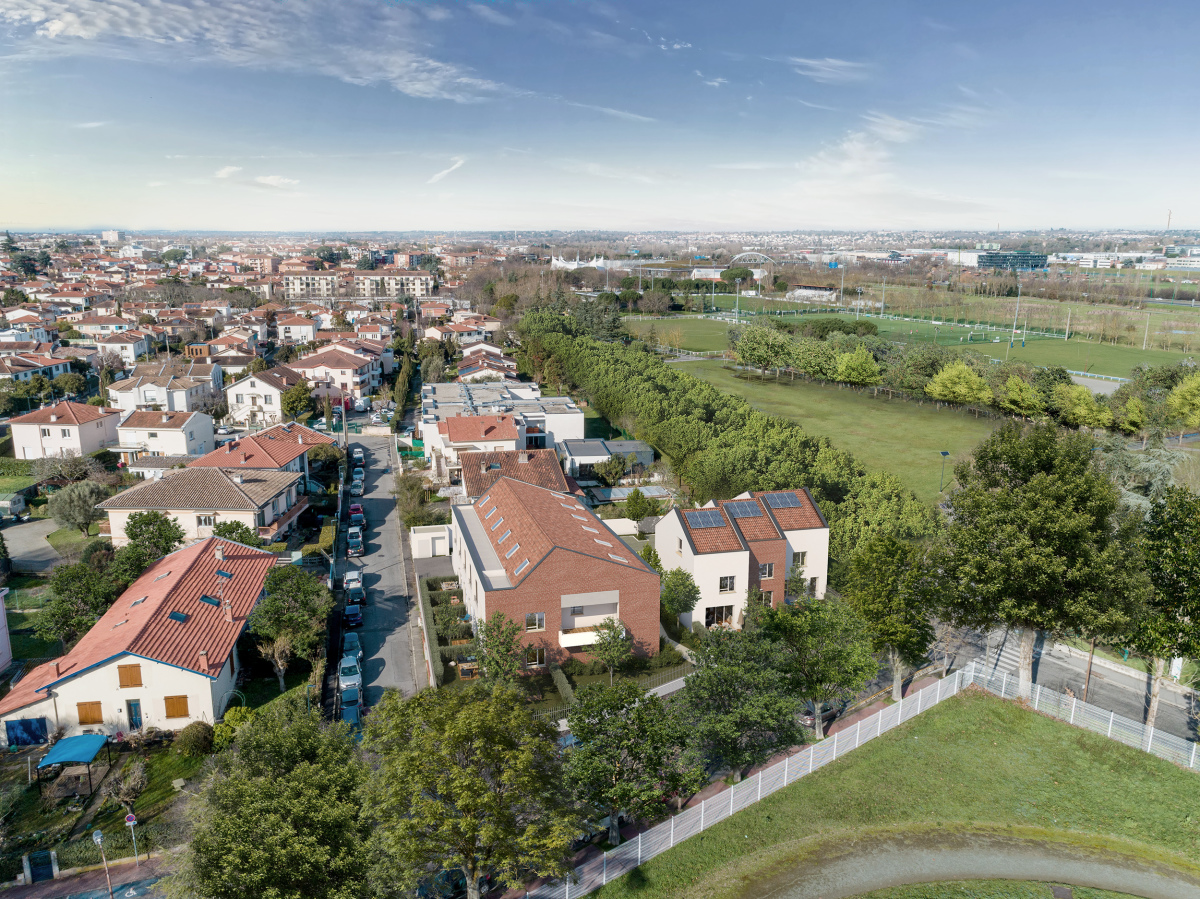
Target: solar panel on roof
(744,509)
(704,518)
(782,500)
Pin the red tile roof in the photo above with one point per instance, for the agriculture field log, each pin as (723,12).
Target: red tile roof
(799,518)
(162,420)
(723,539)
(65,412)
(481,470)
(468,428)
(139,622)
(542,521)
(272,448)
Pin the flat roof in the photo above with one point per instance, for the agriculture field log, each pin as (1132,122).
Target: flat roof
(483,554)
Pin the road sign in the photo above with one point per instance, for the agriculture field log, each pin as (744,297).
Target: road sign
(130,820)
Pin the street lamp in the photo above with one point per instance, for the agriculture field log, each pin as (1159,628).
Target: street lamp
(98,838)
(943,479)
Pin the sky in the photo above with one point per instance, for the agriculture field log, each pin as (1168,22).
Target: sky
(246,115)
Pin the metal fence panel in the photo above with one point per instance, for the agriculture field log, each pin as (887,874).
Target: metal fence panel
(687,824)
(656,840)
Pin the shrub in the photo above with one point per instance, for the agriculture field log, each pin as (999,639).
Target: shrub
(439,668)
(226,729)
(195,740)
(16,468)
(328,536)
(562,685)
(668,657)
(275,547)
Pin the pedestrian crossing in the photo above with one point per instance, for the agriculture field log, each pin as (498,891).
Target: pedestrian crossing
(1005,651)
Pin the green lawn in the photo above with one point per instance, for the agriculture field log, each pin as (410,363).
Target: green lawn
(24,644)
(70,540)
(985,889)
(893,435)
(15,483)
(972,764)
(699,334)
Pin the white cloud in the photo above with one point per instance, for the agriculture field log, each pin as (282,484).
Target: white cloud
(607,172)
(890,128)
(156,183)
(828,70)
(91,124)
(615,113)
(226,171)
(488,14)
(276,181)
(458,162)
(364,42)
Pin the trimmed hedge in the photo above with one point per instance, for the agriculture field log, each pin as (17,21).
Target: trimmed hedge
(328,538)
(16,468)
(562,685)
(439,669)
(276,547)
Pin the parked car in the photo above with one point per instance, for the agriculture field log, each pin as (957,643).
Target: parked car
(350,697)
(359,474)
(352,646)
(360,405)
(598,828)
(356,488)
(358,519)
(357,509)
(321,425)
(224,429)
(376,419)
(829,711)
(358,456)
(352,615)
(357,595)
(349,674)
(352,715)
(354,542)
(352,579)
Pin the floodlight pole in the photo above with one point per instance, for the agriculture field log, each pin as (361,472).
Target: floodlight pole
(942,482)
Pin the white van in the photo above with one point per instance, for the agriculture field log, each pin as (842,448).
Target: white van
(360,405)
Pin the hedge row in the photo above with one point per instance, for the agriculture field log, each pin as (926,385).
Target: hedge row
(439,669)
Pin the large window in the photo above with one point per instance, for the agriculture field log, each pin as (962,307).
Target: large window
(718,615)
(727,584)
(766,571)
(130,675)
(535,621)
(800,559)
(89,713)
(535,657)
(177,706)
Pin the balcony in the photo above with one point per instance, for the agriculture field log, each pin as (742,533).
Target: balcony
(577,636)
(271,531)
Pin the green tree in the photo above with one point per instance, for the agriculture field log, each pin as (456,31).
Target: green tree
(365,263)
(637,506)
(1021,398)
(1077,406)
(858,367)
(341,323)
(629,755)
(613,646)
(1169,626)
(173,256)
(466,779)
(957,383)
(296,401)
(80,594)
(824,650)
(74,506)
(739,273)
(1183,403)
(679,592)
(650,557)
(257,364)
(501,652)
(70,383)
(238,532)
(280,815)
(1033,541)
(737,704)
(154,532)
(611,469)
(883,586)
(290,618)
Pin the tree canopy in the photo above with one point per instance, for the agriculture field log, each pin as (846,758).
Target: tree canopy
(290,618)
(74,506)
(154,532)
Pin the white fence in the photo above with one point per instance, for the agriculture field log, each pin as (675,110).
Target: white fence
(597,871)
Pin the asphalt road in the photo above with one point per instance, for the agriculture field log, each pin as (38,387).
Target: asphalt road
(1125,694)
(27,544)
(389,619)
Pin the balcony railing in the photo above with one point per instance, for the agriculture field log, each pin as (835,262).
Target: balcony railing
(284,521)
(577,636)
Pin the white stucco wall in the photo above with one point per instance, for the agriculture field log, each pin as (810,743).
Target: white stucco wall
(29,443)
(186,519)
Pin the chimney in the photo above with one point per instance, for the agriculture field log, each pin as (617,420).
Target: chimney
(203,658)
(53,417)
(243,462)
(166,417)
(523,457)
(219,553)
(229,446)
(57,668)
(237,478)
(227,607)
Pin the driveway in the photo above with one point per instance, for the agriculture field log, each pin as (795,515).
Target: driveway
(389,633)
(28,547)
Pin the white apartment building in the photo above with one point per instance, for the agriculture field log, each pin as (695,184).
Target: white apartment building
(258,397)
(150,433)
(66,426)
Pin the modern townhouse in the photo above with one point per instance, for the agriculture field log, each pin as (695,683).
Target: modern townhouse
(338,374)
(258,397)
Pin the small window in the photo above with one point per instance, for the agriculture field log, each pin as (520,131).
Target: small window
(137,602)
(238,398)
(163,575)
(812,586)
(576,610)
(268,400)
(515,547)
(679,544)
(592,530)
(66,432)
(499,521)
(602,542)
(521,567)
(801,558)
(181,617)
(483,502)
(177,706)
(507,534)
(580,517)
(205,521)
(45,432)
(89,713)
(129,675)
(535,657)
(150,435)
(535,621)
(620,559)
(210,600)
(766,571)
(727,584)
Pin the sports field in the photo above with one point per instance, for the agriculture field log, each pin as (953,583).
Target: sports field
(894,435)
(1076,354)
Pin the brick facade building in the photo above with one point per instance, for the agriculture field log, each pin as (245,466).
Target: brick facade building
(546,562)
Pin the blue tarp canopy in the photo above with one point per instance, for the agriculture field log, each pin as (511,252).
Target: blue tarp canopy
(74,750)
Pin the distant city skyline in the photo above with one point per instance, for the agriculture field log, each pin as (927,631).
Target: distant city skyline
(368,115)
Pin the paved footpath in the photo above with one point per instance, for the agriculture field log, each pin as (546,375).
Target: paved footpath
(128,881)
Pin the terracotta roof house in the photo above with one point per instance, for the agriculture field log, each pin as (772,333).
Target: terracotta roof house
(265,500)
(258,397)
(474,433)
(53,430)
(149,433)
(756,540)
(163,655)
(540,467)
(283,447)
(545,561)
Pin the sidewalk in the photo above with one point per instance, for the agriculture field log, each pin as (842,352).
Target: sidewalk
(91,884)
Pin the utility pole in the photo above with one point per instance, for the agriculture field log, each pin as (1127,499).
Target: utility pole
(1146,338)
(883,303)
(1011,336)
